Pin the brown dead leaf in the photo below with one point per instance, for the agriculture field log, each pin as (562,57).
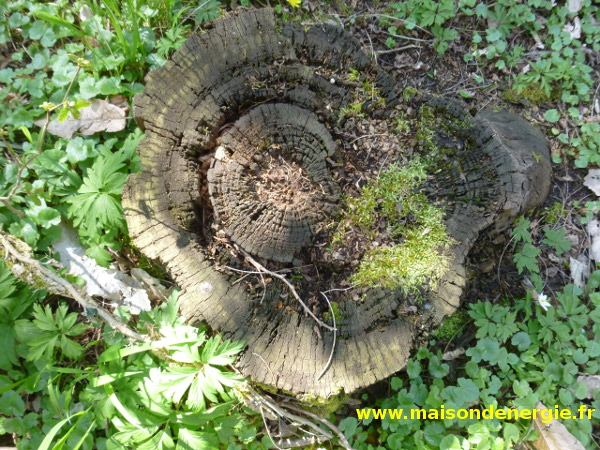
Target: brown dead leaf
(553,435)
(99,116)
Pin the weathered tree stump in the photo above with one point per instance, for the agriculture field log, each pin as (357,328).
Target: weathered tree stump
(244,134)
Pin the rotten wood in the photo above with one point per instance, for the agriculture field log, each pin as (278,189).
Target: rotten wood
(246,113)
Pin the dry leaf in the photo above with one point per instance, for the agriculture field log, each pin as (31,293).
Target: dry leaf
(580,272)
(591,381)
(573,29)
(111,284)
(574,5)
(553,435)
(99,116)
(592,181)
(594,231)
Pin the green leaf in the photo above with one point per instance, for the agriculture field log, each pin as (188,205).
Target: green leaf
(527,258)
(593,349)
(465,94)
(552,115)
(396,383)
(510,432)
(25,229)
(55,20)
(493,34)
(557,239)
(44,216)
(11,404)
(88,88)
(197,440)
(348,426)
(79,149)
(109,86)
(220,354)
(45,445)
(413,368)
(63,114)
(436,368)
(521,231)
(521,340)
(521,388)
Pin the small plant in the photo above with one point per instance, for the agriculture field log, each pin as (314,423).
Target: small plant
(523,355)
(171,391)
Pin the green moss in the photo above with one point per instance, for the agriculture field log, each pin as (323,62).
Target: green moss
(533,93)
(409,92)
(336,313)
(352,110)
(451,326)
(418,258)
(365,92)
(151,267)
(325,406)
(353,75)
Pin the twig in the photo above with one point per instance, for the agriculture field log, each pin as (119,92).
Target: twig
(500,260)
(334,338)
(270,409)
(265,363)
(60,286)
(288,284)
(330,425)
(262,413)
(367,136)
(394,50)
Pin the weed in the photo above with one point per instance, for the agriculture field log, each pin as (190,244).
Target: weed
(554,213)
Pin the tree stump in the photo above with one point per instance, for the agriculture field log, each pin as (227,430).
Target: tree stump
(253,144)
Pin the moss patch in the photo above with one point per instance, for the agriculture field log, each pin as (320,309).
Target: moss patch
(451,326)
(408,235)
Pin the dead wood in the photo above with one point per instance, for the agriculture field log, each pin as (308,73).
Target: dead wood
(244,134)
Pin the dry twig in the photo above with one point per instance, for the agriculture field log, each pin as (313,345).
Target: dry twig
(334,338)
(262,268)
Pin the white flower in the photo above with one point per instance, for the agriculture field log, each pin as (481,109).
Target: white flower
(543,301)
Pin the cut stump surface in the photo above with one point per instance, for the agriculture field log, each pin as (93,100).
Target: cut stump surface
(248,115)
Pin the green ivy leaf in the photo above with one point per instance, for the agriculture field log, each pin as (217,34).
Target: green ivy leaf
(88,88)
(348,426)
(397,383)
(109,86)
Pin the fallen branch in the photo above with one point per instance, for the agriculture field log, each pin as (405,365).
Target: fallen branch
(33,272)
(268,408)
